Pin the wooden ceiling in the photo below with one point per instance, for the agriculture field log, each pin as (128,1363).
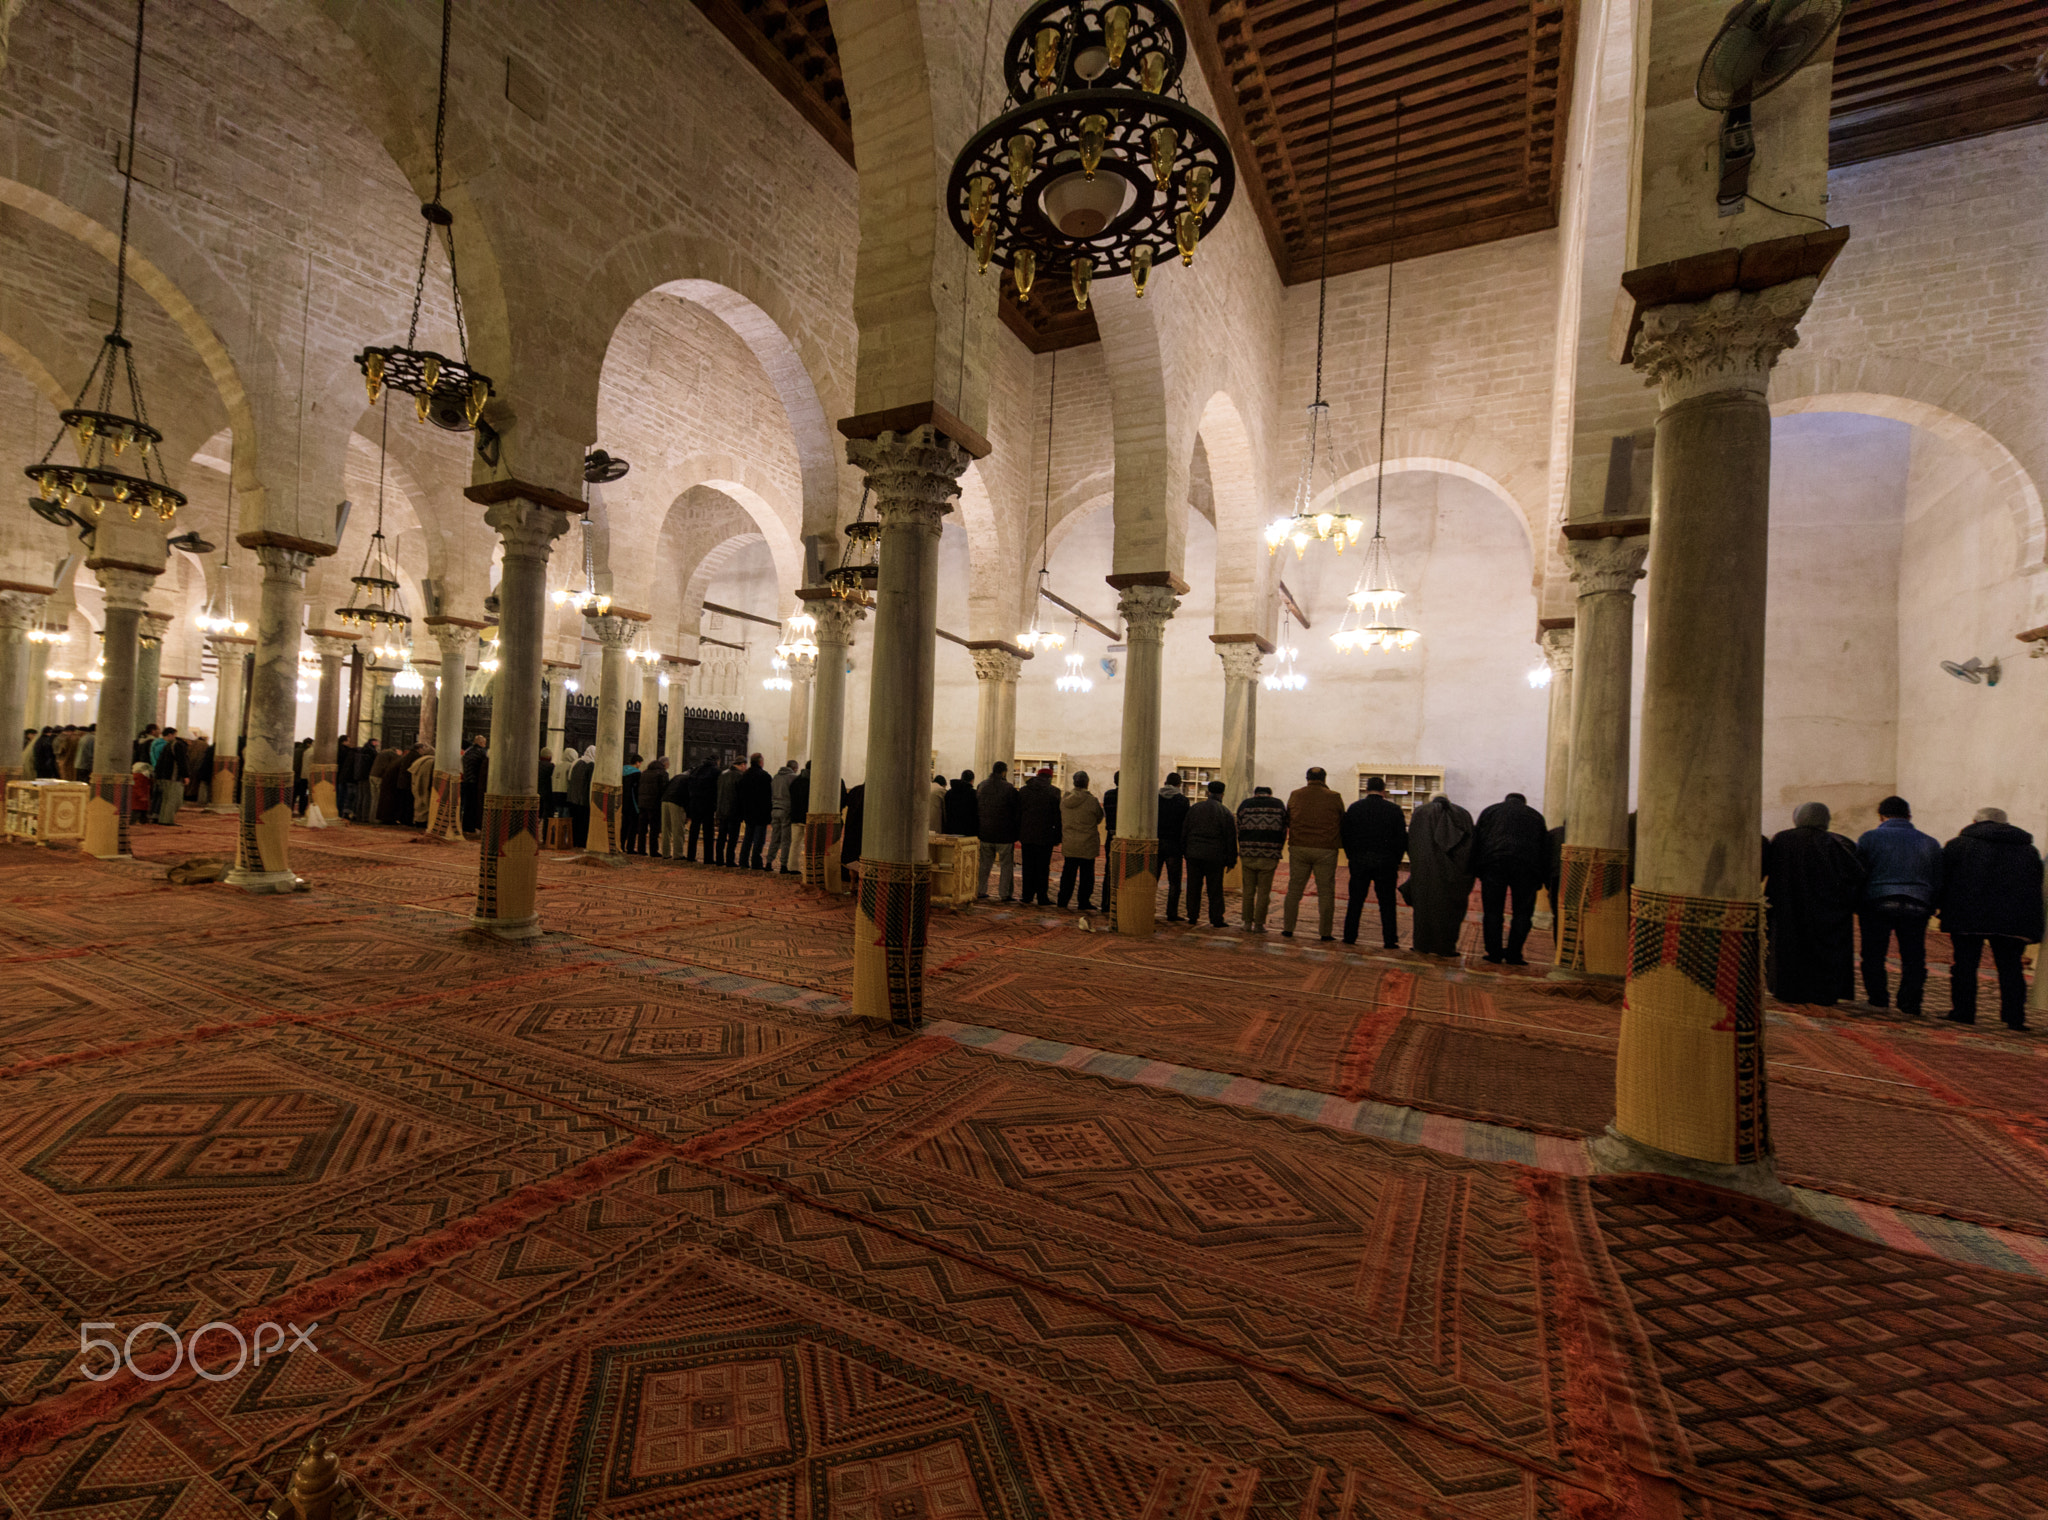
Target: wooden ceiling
(1484,85)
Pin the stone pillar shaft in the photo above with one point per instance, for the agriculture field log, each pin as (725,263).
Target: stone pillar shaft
(149,664)
(263,847)
(19,612)
(558,710)
(36,713)
(836,621)
(508,860)
(914,477)
(615,635)
(648,741)
(320,762)
(430,701)
(1241,666)
(1559,653)
(231,656)
(1131,885)
(995,709)
(797,743)
(444,807)
(106,809)
(1690,1069)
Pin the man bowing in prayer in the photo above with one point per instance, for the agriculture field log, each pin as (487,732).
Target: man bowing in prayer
(1439,874)
(1813,882)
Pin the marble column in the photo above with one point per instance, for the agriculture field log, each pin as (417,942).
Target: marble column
(444,808)
(1557,639)
(914,476)
(20,611)
(797,732)
(1243,655)
(149,664)
(1131,886)
(559,676)
(997,665)
(528,520)
(333,648)
(836,620)
(263,848)
(430,702)
(678,711)
(178,707)
(1592,922)
(1690,1091)
(230,654)
(106,807)
(614,631)
(647,737)
(36,712)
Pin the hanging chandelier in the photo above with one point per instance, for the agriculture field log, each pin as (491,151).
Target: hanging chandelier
(640,652)
(599,469)
(445,391)
(1378,593)
(102,433)
(860,563)
(408,679)
(44,635)
(1073,681)
(376,601)
(1036,638)
(1284,677)
(799,646)
(219,615)
(1098,165)
(487,653)
(1317,481)
(780,681)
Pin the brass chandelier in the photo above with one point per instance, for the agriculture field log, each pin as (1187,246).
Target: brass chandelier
(445,391)
(859,569)
(1097,165)
(376,601)
(103,432)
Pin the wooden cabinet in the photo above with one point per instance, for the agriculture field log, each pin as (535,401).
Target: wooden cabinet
(1195,776)
(1409,785)
(46,812)
(1024,767)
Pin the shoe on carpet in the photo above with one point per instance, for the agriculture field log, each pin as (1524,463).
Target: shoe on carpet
(1960,1018)
(1493,960)
(1515,960)
(1326,938)
(1287,934)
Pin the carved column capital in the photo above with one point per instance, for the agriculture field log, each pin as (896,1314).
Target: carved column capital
(1727,342)
(1146,611)
(331,647)
(529,530)
(836,618)
(1241,662)
(282,564)
(1557,645)
(997,664)
(454,640)
(915,476)
(612,632)
(1605,565)
(20,610)
(155,625)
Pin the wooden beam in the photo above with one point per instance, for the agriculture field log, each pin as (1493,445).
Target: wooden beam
(751,617)
(1102,628)
(788,81)
(1287,597)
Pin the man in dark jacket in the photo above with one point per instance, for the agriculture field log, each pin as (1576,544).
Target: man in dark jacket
(852,833)
(1375,839)
(1261,832)
(1116,779)
(703,811)
(675,814)
(1038,830)
(1901,885)
(475,770)
(1209,840)
(1509,845)
(757,812)
(1990,894)
(963,811)
(1173,817)
(652,782)
(1812,883)
(995,812)
(729,812)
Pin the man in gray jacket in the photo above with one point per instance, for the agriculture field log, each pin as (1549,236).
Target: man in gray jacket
(778,818)
(996,828)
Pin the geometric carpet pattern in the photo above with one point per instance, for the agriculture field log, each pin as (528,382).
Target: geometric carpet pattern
(570,1231)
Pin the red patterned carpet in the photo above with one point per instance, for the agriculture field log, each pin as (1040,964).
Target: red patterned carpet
(584,1234)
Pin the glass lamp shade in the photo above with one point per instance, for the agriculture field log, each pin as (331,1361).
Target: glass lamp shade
(1073,681)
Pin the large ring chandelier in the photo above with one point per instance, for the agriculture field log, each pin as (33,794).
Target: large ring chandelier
(1098,165)
(445,391)
(859,570)
(102,433)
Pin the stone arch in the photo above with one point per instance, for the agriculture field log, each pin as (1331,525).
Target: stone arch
(1234,475)
(1409,452)
(993,583)
(1991,425)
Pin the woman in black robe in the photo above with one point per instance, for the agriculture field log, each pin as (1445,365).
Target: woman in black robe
(1812,882)
(1439,885)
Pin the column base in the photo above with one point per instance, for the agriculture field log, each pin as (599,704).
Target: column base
(892,910)
(821,852)
(508,866)
(1131,887)
(106,818)
(509,928)
(265,882)
(1593,912)
(607,811)
(1615,1152)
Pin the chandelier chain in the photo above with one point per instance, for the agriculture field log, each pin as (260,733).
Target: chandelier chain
(1379,491)
(1045,527)
(1329,164)
(419,284)
(128,173)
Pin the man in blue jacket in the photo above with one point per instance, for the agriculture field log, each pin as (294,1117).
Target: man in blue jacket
(1900,892)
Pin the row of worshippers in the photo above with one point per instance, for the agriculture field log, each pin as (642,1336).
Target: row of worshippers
(58,752)
(387,784)
(739,813)
(1888,885)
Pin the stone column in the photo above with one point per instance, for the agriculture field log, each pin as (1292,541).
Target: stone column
(444,808)
(678,710)
(1243,655)
(559,676)
(430,701)
(1556,637)
(333,648)
(230,653)
(149,664)
(106,806)
(1689,1072)
(914,477)
(1592,914)
(263,848)
(648,738)
(20,611)
(529,520)
(797,741)
(997,666)
(36,712)
(836,619)
(1131,886)
(614,630)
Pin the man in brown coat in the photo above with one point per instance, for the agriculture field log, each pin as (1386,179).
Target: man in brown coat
(1315,833)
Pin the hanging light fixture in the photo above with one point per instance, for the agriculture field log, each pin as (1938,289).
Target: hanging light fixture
(1098,165)
(1036,638)
(1315,517)
(1378,593)
(1074,681)
(1284,677)
(102,433)
(445,391)
(376,601)
(219,616)
(799,646)
(599,469)
(860,562)
(780,681)
(487,653)
(42,635)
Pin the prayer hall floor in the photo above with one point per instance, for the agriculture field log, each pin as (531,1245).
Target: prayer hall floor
(633,1220)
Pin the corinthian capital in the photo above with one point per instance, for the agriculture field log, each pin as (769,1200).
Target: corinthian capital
(612,630)
(124,589)
(155,625)
(20,610)
(1146,611)
(915,476)
(1727,342)
(282,564)
(1241,662)
(528,529)
(454,640)
(331,646)
(1557,648)
(1603,565)
(997,664)
(836,617)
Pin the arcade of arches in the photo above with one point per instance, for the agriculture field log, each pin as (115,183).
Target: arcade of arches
(866,1184)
